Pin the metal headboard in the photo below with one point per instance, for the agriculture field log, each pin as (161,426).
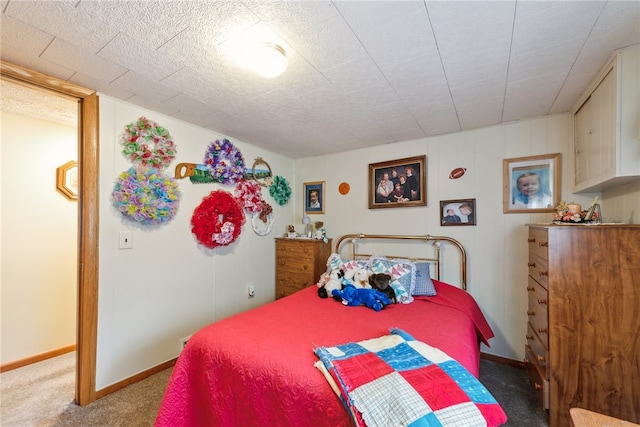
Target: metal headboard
(354,238)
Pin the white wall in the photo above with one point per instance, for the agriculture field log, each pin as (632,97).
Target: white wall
(496,246)
(168,285)
(39,239)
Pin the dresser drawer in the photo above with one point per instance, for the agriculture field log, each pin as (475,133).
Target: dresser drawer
(539,243)
(296,251)
(288,283)
(539,270)
(540,352)
(291,264)
(540,384)
(537,310)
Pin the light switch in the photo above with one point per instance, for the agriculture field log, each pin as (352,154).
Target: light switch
(126,240)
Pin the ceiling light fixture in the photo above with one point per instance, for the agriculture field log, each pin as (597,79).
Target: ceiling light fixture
(269,60)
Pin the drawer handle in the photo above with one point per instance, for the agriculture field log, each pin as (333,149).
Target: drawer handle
(305,266)
(537,386)
(543,244)
(542,330)
(531,264)
(543,273)
(542,301)
(540,358)
(531,288)
(529,337)
(531,240)
(531,313)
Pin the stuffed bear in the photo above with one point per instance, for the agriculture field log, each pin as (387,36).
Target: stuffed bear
(372,298)
(329,282)
(358,277)
(382,282)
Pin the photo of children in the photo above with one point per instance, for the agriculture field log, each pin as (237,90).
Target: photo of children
(458,212)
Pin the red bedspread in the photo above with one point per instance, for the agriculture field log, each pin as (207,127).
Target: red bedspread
(257,368)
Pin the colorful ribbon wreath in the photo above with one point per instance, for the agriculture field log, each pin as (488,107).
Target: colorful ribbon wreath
(147,143)
(146,195)
(218,220)
(249,195)
(280,190)
(225,162)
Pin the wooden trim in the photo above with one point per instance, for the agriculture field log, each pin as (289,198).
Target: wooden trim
(502,360)
(37,358)
(136,378)
(88,218)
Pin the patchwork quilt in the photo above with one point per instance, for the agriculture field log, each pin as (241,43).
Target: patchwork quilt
(396,380)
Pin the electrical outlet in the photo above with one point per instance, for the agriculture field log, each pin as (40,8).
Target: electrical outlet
(183,342)
(252,291)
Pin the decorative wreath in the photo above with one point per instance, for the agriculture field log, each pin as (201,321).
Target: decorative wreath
(224,161)
(147,143)
(249,195)
(218,220)
(280,190)
(146,195)
(266,226)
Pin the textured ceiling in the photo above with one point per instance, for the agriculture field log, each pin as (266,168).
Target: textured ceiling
(361,73)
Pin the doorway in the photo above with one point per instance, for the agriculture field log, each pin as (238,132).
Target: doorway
(88,172)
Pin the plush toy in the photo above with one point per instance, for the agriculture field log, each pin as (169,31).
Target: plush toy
(330,281)
(358,277)
(352,296)
(382,282)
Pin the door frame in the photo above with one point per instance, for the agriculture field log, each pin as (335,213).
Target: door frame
(88,218)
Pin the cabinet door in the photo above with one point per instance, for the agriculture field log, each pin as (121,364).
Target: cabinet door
(595,134)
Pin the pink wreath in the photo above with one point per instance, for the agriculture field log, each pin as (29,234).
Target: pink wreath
(249,195)
(218,220)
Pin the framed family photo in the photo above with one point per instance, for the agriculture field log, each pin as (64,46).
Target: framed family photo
(531,184)
(398,183)
(313,197)
(458,212)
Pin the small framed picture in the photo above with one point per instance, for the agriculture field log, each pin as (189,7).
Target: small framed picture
(458,212)
(314,197)
(398,183)
(531,184)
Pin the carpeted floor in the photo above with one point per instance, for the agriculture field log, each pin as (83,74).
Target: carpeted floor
(42,395)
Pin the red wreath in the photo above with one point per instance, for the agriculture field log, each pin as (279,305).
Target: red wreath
(218,220)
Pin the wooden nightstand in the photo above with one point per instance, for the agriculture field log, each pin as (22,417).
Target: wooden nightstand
(299,263)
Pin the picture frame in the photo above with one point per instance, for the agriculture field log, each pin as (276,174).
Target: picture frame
(458,212)
(314,201)
(67,180)
(531,184)
(412,192)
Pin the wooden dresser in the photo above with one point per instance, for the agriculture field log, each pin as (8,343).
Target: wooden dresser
(583,331)
(299,263)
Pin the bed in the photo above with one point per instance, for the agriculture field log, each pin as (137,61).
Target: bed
(260,367)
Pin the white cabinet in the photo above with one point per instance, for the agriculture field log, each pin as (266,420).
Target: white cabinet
(607,126)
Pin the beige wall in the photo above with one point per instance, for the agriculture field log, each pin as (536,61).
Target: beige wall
(497,247)
(39,239)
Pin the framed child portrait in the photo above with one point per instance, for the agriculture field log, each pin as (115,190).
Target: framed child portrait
(531,184)
(458,212)
(398,183)
(313,197)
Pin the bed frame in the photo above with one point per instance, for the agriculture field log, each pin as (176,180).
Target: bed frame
(351,241)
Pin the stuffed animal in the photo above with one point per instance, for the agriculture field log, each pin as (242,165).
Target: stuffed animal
(330,281)
(382,282)
(372,298)
(358,277)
